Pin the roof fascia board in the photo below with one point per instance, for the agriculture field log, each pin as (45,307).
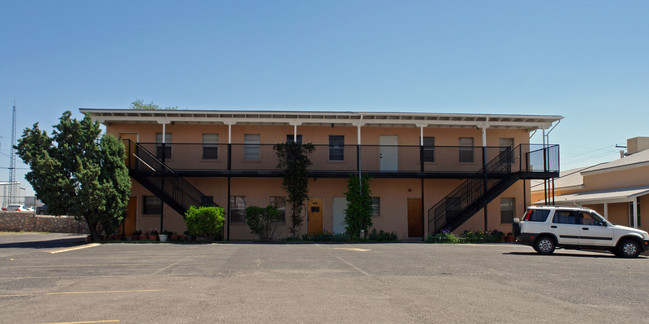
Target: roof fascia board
(616,168)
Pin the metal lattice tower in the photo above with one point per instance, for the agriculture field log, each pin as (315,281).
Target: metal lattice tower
(12,160)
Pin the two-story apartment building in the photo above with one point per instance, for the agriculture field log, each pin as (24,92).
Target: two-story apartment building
(429,171)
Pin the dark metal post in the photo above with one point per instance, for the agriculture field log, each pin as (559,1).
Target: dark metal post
(484,186)
(423,212)
(227,219)
(164,157)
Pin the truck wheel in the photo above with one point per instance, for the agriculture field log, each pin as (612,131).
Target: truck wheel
(629,249)
(544,245)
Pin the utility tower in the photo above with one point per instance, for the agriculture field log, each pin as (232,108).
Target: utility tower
(12,160)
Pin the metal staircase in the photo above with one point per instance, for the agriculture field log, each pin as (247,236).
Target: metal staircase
(162,181)
(483,187)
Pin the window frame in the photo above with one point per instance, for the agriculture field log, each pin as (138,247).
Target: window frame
(504,218)
(239,211)
(273,201)
(147,205)
(251,147)
(336,148)
(158,146)
(429,149)
(210,146)
(289,138)
(376,206)
(464,150)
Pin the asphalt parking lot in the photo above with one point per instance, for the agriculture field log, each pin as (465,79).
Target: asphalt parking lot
(261,283)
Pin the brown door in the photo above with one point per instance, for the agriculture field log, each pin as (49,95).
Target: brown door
(131,212)
(314,213)
(130,147)
(414,217)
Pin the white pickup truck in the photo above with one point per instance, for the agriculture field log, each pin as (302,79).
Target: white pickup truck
(548,227)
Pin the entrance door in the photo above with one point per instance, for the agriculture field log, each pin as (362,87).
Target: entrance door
(129,222)
(414,217)
(338,209)
(389,152)
(314,214)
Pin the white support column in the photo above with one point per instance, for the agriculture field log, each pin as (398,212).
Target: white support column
(606,211)
(230,123)
(421,135)
(164,133)
(635,212)
(295,124)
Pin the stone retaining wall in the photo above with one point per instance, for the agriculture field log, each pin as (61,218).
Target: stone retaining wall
(30,222)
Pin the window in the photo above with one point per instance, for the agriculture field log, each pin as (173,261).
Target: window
(158,147)
(237,209)
(631,215)
(289,139)
(151,205)
(466,149)
(564,217)
(279,202)
(429,149)
(251,147)
(536,215)
(210,146)
(507,210)
(376,206)
(336,148)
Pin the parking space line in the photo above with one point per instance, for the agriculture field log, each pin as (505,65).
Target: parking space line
(86,322)
(75,248)
(353,266)
(103,292)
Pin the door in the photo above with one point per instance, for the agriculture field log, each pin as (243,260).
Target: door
(414,217)
(389,152)
(338,209)
(564,224)
(314,216)
(130,147)
(131,213)
(594,231)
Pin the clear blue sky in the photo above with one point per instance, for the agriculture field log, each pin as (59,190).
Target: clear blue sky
(585,60)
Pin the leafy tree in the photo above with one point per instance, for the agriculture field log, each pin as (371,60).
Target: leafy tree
(358,215)
(139,104)
(262,221)
(294,160)
(78,172)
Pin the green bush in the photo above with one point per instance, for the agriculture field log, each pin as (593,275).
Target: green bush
(382,236)
(262,221)
(443,237)
(206,222)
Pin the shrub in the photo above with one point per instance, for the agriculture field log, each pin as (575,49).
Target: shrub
(262,221)
(445,236)
(382,236)
(205,222)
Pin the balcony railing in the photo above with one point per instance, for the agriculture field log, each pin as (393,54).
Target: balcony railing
(376,159)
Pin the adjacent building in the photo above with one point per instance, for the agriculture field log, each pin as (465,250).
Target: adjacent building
(429,171)
(618,190)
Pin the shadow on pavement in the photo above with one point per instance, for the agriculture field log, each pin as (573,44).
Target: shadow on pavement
(36,243)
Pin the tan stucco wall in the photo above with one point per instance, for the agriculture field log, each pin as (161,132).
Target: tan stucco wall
(617,179)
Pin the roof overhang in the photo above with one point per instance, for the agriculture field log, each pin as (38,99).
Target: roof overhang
(600,197)
(381,119)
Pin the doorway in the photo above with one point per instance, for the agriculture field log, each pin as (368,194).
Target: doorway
(389,152)
(314,216)
(338,209)
(414,217)
(131,213)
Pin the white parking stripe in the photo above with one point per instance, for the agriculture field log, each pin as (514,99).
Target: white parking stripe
(76,248)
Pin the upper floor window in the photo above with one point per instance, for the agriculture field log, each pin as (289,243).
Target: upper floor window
(336,147)
(466,149)
(290,138)
(251,146)
(167,148)
(210,146)
(429,149)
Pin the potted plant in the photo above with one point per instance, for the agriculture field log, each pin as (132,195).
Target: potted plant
(164,235)
(153,234)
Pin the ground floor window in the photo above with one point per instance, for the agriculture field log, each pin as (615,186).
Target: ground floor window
(279,203)
(151,205)
(376,206)
(237,209)
(507,209)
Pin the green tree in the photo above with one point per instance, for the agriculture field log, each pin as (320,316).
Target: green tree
(78,171)
(294,161)
(358,215)
(139,104)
